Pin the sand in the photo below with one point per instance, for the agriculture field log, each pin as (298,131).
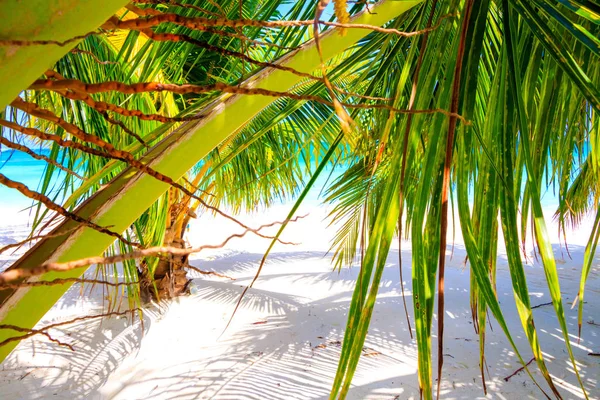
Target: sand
(284,342)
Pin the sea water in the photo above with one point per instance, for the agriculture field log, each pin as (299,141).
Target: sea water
(23,168)
(20,167)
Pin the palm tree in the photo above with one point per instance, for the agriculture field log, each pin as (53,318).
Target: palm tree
(478,100)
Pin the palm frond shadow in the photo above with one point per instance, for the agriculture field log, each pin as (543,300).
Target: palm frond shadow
(288,362)
(52,370)
(286,345)
(275,360)
(501,361)
(500,358)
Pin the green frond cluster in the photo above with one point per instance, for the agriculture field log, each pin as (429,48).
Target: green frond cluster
(527,125)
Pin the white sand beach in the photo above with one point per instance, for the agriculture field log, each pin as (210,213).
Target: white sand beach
(285,341)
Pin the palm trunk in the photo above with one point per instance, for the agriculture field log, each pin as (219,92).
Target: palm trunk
(169,278)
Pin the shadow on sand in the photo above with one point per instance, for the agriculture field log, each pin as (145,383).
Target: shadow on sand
(285,341)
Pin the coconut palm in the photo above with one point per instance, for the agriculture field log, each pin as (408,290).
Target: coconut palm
(477,104)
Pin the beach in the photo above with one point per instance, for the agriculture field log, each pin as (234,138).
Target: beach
(152,152)
(285,340)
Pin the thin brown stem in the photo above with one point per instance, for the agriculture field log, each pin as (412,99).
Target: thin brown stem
(202,272)
(128,158)
(145,87)
(94,57)
(31,332)
(409,119)
(32,238)
(103,113)
(65,281)
(446,186)
(519,369)
(171,37)
(41,157)
(182,5)
(43,331)
(24,190)
(19,273)
(200,23)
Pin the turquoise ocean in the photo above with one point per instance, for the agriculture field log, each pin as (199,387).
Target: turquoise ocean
(21,167)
